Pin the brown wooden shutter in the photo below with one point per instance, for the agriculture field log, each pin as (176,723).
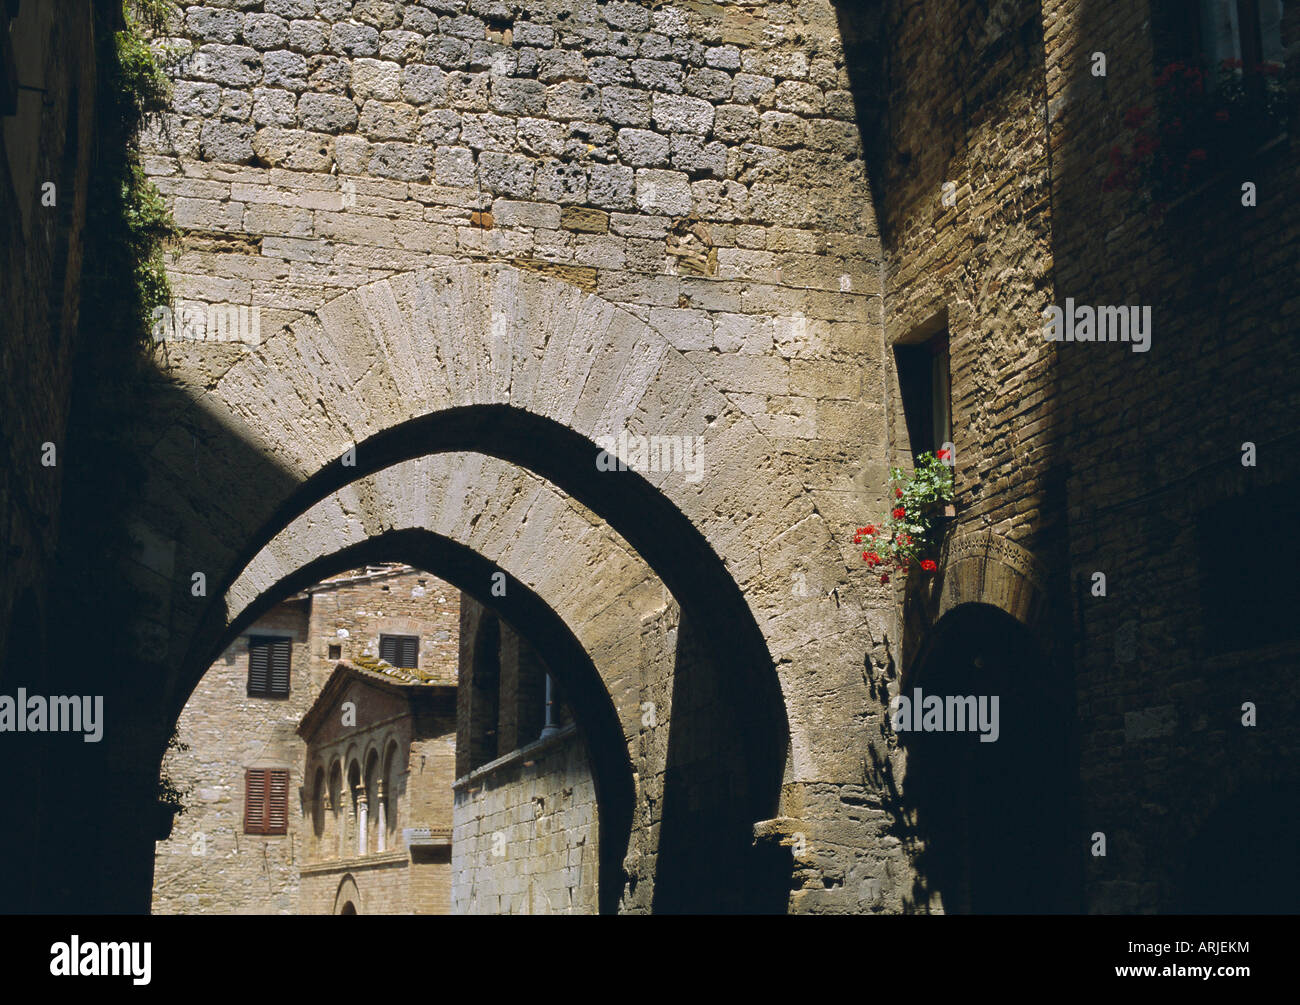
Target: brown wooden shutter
(277,816)
(400,650)
(255,801)
(259,665)
(269,660)
(266,801)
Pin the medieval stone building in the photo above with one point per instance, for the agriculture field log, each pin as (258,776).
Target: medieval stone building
(616,315)
(378,795)
(252,837)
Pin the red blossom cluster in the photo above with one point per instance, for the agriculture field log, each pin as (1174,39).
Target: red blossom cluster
(1169,152)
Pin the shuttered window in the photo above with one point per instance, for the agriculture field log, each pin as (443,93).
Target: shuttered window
(266,801)
(268,666)
(400,650)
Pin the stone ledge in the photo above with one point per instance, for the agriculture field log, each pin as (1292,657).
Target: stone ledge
(356,862)
(517,756)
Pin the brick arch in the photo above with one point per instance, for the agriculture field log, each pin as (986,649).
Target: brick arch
(347,893)
(985,568)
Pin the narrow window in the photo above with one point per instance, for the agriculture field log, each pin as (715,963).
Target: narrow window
(400,650)
(335,652)
(266,801)
(923,379)
(268,666)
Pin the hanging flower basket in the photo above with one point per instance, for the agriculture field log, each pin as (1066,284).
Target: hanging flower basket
(922,508)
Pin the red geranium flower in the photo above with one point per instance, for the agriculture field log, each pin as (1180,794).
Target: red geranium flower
(928,565)
(884,579)
(900,513)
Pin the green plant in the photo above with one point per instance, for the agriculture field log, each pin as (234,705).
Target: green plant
(907,536)
(169,793)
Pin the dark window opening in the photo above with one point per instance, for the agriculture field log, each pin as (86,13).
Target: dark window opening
(335,652)
(266,801)
(924,380)
(268,666)
(400,650)
(1208,33)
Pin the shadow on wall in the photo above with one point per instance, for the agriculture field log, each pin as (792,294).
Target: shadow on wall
(1244,859)
(718,784)
(984,814)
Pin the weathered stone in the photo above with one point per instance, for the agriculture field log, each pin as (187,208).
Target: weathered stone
(382,120)
(518,97)
(384,80)
(681,114)
(454,166)
(611,186)
(265,31)
(406,161)
(226,141)
(663,192)
(326,113)
(350,39)
(295,149)
(231,65)
(573,100)
(559,182)
(274,107)
(507,174)
(283,68)
(584,220)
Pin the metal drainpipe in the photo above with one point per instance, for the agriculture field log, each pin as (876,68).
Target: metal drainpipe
(550,729)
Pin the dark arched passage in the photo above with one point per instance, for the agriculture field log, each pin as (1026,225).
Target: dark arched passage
(989,796)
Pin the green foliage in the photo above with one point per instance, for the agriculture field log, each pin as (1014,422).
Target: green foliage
(169,793)
(906,535)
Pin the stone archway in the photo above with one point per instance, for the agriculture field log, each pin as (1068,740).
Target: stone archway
(486,504)
(348,898)
(979,632)
(534,372)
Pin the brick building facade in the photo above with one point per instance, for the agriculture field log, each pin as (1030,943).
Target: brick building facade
(381,755)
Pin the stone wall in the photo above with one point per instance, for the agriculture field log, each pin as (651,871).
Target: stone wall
(365,606)
(209,865)
(1074,459)
(525,838)
(46,141)
(696,169)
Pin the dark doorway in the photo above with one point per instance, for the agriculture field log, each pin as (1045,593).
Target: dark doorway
(991,813)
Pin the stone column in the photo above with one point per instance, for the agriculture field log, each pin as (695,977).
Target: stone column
(361,820)
(382,808)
